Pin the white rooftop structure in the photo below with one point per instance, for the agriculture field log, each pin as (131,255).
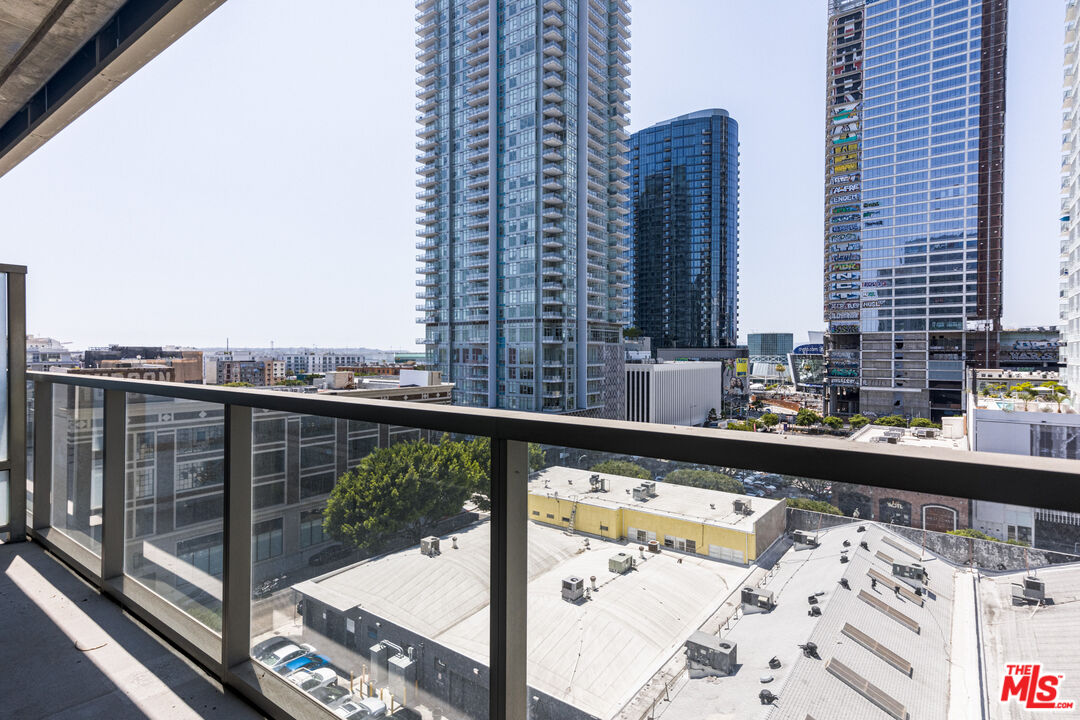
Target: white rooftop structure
(804,686)
(682,501)
(907,437)
(595,655)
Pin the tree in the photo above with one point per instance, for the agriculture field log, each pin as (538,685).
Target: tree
(622,467)
(402,488)
(1025,391)
(711,417)
(857,421)
(1057,392)
(834,422)
(924,423)
(807,417)
(813,506)
(289,382)
(770,420)
(968,532)
(631,332)
(480,448)
(706,479)
(891,421)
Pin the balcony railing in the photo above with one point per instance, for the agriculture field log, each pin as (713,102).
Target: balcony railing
(104,449)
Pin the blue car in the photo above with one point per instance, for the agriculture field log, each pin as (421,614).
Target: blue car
(312,661)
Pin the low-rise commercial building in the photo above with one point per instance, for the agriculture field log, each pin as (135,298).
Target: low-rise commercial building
(720,525)
(674,393)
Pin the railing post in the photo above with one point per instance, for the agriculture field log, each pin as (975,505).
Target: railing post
(43,459)
(112,485)
(236,561)
(16,399)
(509,577)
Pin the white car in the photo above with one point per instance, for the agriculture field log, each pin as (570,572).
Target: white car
(308,680)
(362,709)
(283,654)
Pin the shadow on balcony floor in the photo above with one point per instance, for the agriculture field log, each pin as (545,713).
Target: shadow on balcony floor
(68,652)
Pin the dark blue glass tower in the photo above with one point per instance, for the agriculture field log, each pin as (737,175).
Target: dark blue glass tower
(684,228)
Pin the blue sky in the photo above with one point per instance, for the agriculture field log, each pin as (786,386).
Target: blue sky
(255,181)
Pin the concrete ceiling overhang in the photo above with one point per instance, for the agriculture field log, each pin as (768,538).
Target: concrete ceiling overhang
(59,57)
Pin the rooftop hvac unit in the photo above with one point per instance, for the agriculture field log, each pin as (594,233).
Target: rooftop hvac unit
(757,599)
(641,493)
(429,546)
(620,562)
(1032,591)
(708,655)
(650,487)
(573,589)
(804,538)
(596,483)
(742,507)
(913,572)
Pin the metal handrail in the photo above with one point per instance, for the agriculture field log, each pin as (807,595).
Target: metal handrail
(1050,483)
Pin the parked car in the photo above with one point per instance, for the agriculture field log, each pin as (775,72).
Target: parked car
(329,555)
(362,709)
(312,661)
(287,653)
(332,696)
(405,714)
(268,645)
(309,680)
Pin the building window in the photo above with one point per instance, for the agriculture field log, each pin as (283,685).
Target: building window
(203,553)
(313,485)
(642,536)
(566,519)
(550,516)
(193,475)
(603,527)
(536,512)
(691,546)
(311,528)
(143,485)
(266,540)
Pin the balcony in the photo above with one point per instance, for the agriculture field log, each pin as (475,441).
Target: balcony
(222,577)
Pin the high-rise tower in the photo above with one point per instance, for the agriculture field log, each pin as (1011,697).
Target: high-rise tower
(522,113)
(1069,283)
(684,202)
(913,200)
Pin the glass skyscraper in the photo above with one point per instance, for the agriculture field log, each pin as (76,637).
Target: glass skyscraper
(523,106)
(913,200)
(684,226)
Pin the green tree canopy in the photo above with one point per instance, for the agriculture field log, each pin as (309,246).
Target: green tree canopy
(402,488)
(968,532)
(807,417)
(814,506)
(237,384)
(480,448)
(834,422)
(707,479)
(924,423)
(891,421)
(770,419)
(857,421)
(622,467)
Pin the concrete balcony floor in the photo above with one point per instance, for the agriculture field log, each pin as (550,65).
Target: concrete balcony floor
(68,652)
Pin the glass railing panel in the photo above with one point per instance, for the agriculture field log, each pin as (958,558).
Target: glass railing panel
(4,432)
(174,501)
(29,447)
(5,512)
(347,583)
(77,463)
(661,588)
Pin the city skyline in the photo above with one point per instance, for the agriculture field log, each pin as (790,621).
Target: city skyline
(290,215)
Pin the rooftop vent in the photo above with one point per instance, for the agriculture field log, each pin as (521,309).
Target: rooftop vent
(429,546)
(912,573)
(804,538)
(708,655)
(573,588)
(620,562)
(1033,591)
(742,507)
(757,599)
